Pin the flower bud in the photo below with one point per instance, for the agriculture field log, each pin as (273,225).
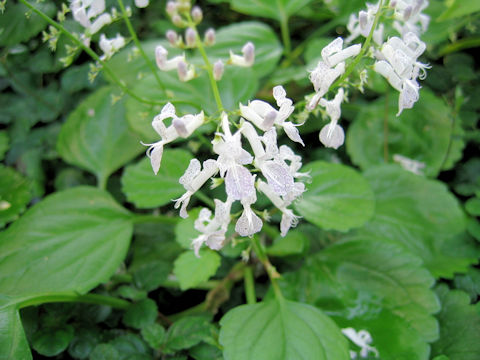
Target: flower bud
(197,14)
(249,53)
(218,69)
(172,37)
(141,3)
(177,20)
(190,37)
(209,37)
(171,8)
(407,13)
(185,72)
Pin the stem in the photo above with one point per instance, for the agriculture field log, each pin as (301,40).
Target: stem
(208,66)
(249,284)
(139,46)
(285,35)
(92,54)
(150,218)
(385,129)
(207,285)
(102,181)
(74,297)
(364,48)
(269,268)
(200,195)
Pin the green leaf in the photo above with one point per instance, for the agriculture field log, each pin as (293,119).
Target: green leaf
(205,351)
(459,326)
(3,144)
(191,270)
(130,346)
(141,314)
(154,335)
(473,206)
(294,243)
(422,216)
(427,126)
(104,352)
(459,8)
(149,274)
(13,343)
(237,85)
(14,194)
(338,197)
(147,190)
(469,282)
(278,10)
(71,241)
(185,231)
(268,49)
(188,332)
(280,330)
(19,24)
(96,136)
(366,284)
(84,342)
(51,342)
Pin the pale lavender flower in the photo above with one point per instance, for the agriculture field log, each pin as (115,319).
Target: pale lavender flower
(245,60)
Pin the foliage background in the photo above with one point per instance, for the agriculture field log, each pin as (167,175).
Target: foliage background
(95,264)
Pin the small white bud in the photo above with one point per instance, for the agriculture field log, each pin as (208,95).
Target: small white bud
(407,13)
(172,37)
(185,72)
(209,38)
(191,37)
(177,20)
(197,14)
(171,8)
(249,53)
(141,3)
(218,69)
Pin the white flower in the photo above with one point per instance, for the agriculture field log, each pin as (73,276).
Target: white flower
(289,219)
(273,169)
(181,127)
(361,339)
(141,3)
(409,16)
(264,116)
(213,229)
(409,164)
(332,134)
(248,57)
(397,62)
(193,180)
(90,14)
(110,46)
(249,223)
(185,71)
(161,56)
(330,68)
(362,25)
(239,182)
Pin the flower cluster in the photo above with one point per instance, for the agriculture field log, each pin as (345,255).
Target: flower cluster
(362,339)
(278,165)
(185,16)
(396,60)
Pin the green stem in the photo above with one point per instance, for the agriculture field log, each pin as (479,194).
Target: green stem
(363,50)
(208,65)
(207,285)
(269,268)
(285,36)
(200,195)
(133,34)
(385,128)
(92,54)
(74,297)
(150,218)
(249,284)
(102,181)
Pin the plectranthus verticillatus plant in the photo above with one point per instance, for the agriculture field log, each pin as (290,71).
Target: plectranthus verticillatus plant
(395,57)
(265,167)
